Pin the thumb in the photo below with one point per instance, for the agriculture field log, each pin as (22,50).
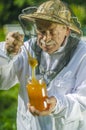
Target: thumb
(51,100)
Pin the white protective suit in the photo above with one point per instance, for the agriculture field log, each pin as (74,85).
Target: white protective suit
(68,86)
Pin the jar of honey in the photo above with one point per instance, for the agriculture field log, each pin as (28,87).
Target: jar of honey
(37,94)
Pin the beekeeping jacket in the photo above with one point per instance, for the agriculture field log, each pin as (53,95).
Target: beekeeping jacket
(65,75)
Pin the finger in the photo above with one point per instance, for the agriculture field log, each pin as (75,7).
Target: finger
(52,103)
(45,113)
(50,100)
(33,110)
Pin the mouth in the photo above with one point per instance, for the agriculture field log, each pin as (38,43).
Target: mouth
(50,43)
(48,47)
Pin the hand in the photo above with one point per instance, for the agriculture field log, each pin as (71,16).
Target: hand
(14,40)
(51,101)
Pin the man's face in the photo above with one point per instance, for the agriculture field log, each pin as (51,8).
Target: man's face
(50,36)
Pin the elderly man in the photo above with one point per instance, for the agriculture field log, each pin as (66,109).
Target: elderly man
(61,62)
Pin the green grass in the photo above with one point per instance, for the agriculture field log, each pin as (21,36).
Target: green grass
(2,34)
(8,108)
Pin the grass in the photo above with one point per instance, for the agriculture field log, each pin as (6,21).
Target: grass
(8,108)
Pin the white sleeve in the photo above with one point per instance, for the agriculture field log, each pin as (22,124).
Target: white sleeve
(8,76)
(3,58)
(72,105)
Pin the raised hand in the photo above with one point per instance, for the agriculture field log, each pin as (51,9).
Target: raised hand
(14,40)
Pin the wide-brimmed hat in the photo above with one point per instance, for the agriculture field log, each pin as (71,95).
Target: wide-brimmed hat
(55,11)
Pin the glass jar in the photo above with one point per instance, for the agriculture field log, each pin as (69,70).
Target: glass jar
(37,94)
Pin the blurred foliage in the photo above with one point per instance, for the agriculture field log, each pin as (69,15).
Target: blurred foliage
(76,2)
(2,34)
(9,13)
(80,12)
(8,108)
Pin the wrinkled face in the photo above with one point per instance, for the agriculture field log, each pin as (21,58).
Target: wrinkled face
(50,36)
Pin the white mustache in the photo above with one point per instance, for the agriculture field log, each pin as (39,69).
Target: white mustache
(47,43)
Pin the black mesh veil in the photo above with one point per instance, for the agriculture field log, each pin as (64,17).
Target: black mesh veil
(27,26)
(53,11)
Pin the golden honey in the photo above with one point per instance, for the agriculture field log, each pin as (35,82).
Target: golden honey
(36,89)
(37,94)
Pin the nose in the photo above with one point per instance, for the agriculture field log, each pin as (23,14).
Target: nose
(47,36)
